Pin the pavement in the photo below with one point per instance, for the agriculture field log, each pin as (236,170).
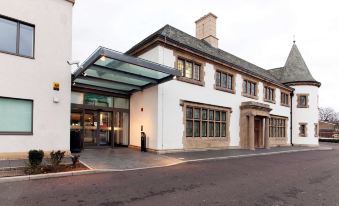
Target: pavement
(124,159)
(309,178)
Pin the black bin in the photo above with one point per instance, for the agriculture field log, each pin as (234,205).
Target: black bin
(75,142)
(143,142)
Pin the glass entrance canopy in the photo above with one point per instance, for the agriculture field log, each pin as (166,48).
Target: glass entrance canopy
(112,71)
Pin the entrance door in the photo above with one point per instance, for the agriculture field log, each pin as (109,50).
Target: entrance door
(90,128)
(121,125)
(105,128)
(257,133)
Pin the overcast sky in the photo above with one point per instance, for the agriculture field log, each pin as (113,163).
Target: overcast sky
(260,32)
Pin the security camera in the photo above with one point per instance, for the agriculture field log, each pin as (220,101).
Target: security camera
(72,62)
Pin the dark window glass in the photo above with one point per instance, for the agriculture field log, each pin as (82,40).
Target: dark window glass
(303,100)
(211,116)
(248,88)
(26,40)
(253,89)
(223,129)
(217,129)
(204,114)
(196,113)
(223,80)
(197,128)
(189,128)
(218,79)
(229,82)
(217,116)
(244,87)
(8,35)
(211,129)
(204,129)
(223,116)
(196,72)
(189,112)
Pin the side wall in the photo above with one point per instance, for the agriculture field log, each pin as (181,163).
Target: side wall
(33,78)
(170,125)
(307,115)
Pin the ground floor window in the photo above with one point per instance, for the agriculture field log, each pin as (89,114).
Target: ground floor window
(302,129)
(277,127)
(203,120)
(16,116)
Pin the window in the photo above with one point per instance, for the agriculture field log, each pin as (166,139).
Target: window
(223,81)
(249,88)
(16,37)
(16,116)
(98,100)
(302,129)
(269,94)
(277,127)
(189,69)
(284,99)
(205,122)
(316,130)
(302,100)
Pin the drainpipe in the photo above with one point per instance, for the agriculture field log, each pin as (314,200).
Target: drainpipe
(291,133)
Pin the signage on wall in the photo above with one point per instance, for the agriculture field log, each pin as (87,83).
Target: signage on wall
(56,86)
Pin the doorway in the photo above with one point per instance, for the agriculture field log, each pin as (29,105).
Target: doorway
(258,133)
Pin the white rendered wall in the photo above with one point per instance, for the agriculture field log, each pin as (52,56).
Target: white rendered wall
(305,115)
(170,125)
(32,78)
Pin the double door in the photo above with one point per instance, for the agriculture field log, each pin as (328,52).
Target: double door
(102,128)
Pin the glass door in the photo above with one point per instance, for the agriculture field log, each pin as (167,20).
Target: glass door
(90,128)
(121,125)
(105,128)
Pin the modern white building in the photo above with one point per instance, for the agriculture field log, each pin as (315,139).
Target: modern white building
(35,44)
(183,91)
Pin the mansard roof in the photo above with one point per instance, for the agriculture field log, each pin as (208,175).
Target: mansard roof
(182,39)
(295,69)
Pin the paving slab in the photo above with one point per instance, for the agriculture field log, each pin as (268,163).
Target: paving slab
(124,159)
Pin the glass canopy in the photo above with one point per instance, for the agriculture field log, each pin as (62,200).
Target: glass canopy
(108,70)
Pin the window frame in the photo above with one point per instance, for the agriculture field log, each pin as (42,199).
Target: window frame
(276,127)
(227,75)
(207,121)
(269,89)
(32,119)
(300,132)
(299,105)
(282,103)
(200,82)
(18,23)
(247,83)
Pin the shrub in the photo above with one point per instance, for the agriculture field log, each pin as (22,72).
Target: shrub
(56,158)
(34,160)
(75,160)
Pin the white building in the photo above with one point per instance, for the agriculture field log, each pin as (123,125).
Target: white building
(182,91)
(35,44)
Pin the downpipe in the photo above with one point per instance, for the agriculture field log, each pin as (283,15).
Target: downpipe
(291,134)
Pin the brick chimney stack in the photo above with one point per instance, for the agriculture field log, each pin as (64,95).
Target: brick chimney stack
(206,29)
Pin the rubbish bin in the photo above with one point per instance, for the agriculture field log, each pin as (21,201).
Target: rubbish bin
(75,142)
(143,142)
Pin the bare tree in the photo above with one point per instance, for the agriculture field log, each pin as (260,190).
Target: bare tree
(328,114)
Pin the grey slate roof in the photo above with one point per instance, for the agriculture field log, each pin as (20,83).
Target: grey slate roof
(295,69)
(172,34)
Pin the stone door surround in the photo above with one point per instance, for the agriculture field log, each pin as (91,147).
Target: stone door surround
(248,111)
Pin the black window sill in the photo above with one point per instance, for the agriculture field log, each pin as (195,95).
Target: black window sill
(15,54)
(250,96)
(269,101)
(302,106)
(16,133)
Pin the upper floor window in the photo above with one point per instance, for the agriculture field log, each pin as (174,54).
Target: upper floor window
(189,69)
(16,37)
(302,100)
(284,99)
(224,81)
(249,88)
(302,129)
(269,94)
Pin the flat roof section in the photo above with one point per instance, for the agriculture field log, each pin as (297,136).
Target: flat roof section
(111,71)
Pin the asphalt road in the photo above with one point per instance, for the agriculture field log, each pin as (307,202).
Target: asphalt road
(303,178)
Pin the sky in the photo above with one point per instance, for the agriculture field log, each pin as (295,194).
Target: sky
(258,31)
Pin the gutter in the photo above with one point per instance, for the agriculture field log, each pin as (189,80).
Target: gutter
(291,133)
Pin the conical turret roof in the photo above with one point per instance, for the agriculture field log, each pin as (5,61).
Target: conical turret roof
(295,69)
